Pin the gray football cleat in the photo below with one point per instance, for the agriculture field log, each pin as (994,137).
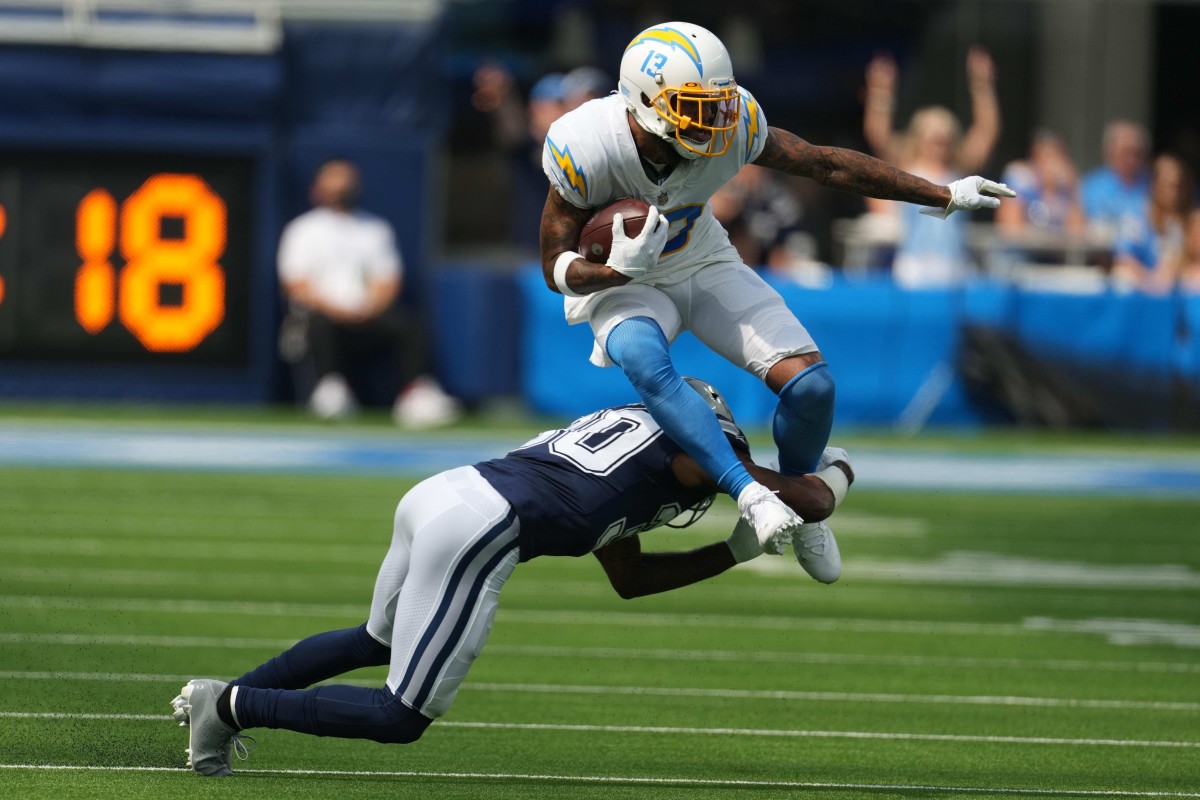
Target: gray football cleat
(211,743)
(817,551)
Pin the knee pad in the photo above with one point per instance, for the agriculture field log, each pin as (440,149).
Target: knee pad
(804,419)
(403,726)
(810,395)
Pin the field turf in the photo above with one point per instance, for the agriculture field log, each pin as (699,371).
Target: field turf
(978,646)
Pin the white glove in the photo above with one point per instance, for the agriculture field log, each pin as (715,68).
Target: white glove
(635,257)
(969,194)
(743,542)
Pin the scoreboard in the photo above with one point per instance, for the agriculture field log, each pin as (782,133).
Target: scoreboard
(132,273)
(124,258)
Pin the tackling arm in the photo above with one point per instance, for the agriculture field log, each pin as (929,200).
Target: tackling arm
(636,574)
(807,495)
(561,225)
(847,170)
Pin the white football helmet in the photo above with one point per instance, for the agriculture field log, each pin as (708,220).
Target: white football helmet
(677,81)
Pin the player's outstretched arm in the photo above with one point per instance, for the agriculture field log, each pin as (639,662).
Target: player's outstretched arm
(852,171)
(636,574)
(575,275)
(847,170)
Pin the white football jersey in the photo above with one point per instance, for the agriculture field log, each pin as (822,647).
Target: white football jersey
(591,159)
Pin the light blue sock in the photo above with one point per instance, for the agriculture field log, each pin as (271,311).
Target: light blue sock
(803,419)
(639,347)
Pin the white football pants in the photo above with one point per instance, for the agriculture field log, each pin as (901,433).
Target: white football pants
(454,545)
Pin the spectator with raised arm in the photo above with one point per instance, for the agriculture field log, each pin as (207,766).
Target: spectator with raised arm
(935,148)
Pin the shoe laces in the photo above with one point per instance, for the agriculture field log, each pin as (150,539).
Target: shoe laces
(813,538)
(242,744)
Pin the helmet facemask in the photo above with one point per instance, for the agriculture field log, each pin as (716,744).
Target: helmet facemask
(702,122)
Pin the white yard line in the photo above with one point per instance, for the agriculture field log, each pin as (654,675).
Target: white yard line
(845,659)
(222,607)
(634,654)
(659,691)
(635,780)
(686,731)
(534,617)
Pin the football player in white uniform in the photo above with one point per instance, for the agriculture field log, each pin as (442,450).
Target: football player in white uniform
(678,129)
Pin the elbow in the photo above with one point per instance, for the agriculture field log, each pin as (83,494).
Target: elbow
(627,591)
(548,278)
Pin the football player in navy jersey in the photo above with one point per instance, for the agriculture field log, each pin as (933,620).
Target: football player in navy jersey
(592,486)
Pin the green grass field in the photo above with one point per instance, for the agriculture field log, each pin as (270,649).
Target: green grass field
(977,646)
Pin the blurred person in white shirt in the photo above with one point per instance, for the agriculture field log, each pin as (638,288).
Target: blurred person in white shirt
(342,274)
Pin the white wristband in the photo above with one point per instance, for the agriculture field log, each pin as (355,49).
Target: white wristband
(561,264)
(836,480)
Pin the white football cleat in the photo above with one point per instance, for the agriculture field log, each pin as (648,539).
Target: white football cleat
(774,523)
(817,551)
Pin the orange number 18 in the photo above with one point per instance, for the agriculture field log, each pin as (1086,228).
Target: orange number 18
(189,262)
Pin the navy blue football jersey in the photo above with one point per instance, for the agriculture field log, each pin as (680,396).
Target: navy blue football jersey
(605,476)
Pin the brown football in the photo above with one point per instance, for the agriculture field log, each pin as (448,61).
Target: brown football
(595,240)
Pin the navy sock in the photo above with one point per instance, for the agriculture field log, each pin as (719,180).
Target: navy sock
(318,658)
(803,419)
(640,348)
(348,712)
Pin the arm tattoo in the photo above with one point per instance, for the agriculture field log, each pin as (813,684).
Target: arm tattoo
(561,225)
(847,170)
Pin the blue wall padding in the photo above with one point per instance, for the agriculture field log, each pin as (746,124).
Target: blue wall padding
(477,322)
(1102,329)
(1187,345)
(882,344)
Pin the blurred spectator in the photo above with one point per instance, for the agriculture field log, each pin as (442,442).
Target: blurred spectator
(1187,268)
(1145,255)
(519,130)
(1047,188)
(585,83)
(341,273)
(931,252)
(1114,195)
(762,216)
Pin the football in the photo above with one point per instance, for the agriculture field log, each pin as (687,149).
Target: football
(595,240)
